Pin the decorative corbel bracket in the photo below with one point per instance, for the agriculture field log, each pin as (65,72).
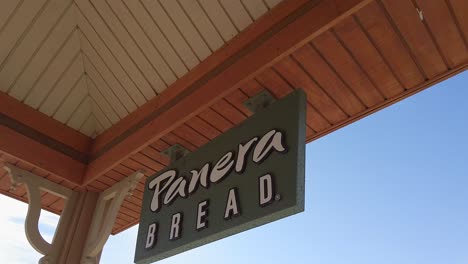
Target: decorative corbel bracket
(34,184)
(106,211)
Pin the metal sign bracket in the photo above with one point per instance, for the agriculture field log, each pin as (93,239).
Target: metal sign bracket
(259,101)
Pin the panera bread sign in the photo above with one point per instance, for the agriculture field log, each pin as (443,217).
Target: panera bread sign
(249,176)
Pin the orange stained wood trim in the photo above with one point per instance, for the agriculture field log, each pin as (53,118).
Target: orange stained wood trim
(294,30)
(407,93)
(39,155)
(44,124)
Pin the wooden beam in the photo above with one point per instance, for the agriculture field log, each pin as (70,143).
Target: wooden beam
(44,124)
(272,43)
(39,155)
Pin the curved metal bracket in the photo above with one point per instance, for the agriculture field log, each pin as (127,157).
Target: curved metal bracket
(106,211)
(34,184)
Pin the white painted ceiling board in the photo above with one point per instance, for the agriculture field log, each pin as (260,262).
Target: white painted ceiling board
(90,41)
(144,71)
(108,37)
(104,89)
(202,22)
(237,13)
(101,102)
(73,101)
(48,51)
(90,63)
(18,25)
(89,126)
(171,32)
(82,112)
(256,8)
(53,72)
(7,10)
(101,118)
(158,38)
(272,3)
(147,47)
(63,87)
(219,18)
(20,55)
(107,76)
(187,28)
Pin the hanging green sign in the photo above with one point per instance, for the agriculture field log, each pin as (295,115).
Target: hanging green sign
(249,176)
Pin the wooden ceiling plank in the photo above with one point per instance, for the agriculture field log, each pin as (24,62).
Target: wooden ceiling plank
(98,185)
(441,24)
(91,44)
(18,24)
(53,72)
(48,199)
(368,57)
(107,179)
(190,135)
(155,155)
(403,14)
(124,170)
(147,161)
(125,215)
(280,88)
(237,13)
(160,145)
(44,56)
(135,165)
(217,120)
(296,77)
(58,205)
(173,139)
(7,10)
(103,87)
(170,31)
(97,59)
(351,72)
(225,109)
(119,228)
(114,175)
(273,83)
(219,18)
(131,209)
(32,40)
(148,48)
(145,73)
(133,201)
(381,33)
(203,127)
(457,8)
(237,99)
(157,37)
(102,28)
(72,102)
(63,88)
(256,8)
(187,28)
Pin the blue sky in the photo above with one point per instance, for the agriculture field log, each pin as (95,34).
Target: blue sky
(390,188)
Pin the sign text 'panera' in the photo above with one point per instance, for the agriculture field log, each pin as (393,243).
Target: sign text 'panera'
(251,175)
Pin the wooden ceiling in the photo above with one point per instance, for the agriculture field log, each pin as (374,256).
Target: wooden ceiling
(351,57)
(88,64)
